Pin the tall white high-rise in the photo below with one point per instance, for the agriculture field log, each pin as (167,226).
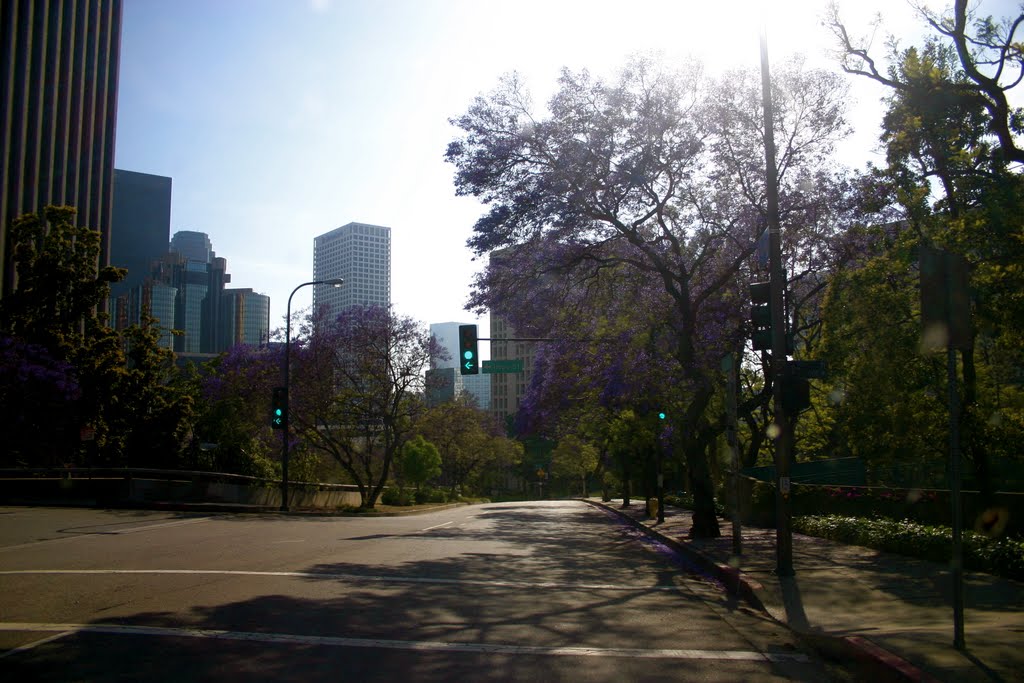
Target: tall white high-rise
(361,254)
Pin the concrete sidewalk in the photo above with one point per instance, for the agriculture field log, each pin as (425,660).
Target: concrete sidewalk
(892,614)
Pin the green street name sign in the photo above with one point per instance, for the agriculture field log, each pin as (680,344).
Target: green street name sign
(491,367)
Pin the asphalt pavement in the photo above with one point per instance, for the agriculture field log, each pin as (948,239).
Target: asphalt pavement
(889,614)
(533,591)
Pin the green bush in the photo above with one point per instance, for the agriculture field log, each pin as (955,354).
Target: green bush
(431,495)
(396,496)
(681,499)
(1003,556)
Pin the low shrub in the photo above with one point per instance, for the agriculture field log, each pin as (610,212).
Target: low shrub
(682,499)
(1000,556)
(431,495)
(396,496)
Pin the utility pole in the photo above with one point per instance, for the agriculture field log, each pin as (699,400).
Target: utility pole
(731,365)
(781,431)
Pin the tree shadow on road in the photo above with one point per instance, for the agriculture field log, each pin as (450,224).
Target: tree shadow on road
(522,584)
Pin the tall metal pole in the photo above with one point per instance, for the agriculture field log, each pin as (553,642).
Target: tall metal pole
(732,361)
(286,419)
(957,512)
(782,427)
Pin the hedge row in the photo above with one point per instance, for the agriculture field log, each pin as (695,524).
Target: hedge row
(1003,556)
(684,500)
(401,497)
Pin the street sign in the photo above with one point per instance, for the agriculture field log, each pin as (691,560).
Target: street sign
(491,367)
(808,369)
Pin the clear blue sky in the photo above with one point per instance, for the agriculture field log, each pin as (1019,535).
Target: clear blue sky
(279,120)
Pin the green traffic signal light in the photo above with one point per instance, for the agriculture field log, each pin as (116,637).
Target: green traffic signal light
(661,416)
(278,404)
(468,350)
(761,316)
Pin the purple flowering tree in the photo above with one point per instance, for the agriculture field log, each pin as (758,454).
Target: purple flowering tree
(658,174)
(235,411)
(357,388)
(34,389)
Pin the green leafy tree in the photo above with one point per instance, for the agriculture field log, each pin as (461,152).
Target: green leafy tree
(574,459)
(52,321)
(151,409)
(462,433)
(124,386)
(420,461)
(950,137)
(888,399)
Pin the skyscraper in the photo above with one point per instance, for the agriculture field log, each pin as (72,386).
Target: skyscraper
(58,106)
(508,390)
(361,254)
(244,319)
(198,276)
(141,225)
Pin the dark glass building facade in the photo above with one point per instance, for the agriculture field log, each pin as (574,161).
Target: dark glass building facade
(141,226)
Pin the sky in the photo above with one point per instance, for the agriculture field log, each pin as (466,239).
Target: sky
(280,120)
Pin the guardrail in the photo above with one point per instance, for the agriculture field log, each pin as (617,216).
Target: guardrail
(132,485)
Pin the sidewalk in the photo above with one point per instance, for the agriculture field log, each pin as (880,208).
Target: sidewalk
(890,613)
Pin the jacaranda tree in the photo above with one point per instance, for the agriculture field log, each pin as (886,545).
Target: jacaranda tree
(642,173)
(357,387)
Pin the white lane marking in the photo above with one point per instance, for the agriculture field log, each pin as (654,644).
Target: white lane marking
(36,643)
(115,532)
(438,526)
(495,583)
(475,648)
(164,525)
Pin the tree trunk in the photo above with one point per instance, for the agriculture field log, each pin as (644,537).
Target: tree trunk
(705,521)
(625,481)
(695,449)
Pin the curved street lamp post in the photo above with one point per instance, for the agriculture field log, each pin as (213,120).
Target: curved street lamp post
(285,421)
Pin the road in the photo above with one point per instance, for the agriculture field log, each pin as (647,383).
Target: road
(539,591)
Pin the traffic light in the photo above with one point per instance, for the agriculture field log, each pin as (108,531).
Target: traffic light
(661,415)
(796,394)
(469,359)
(761,316)
(278,406)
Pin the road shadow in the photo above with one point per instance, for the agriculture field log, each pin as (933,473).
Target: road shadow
(524,585)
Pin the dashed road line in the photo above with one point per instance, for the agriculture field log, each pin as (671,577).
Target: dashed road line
(177,522)
(415,645)
(113,532)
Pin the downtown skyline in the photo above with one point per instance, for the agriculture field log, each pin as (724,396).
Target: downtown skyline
(279,122)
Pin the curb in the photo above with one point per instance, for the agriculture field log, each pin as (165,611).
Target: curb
(872,661)
(733,579)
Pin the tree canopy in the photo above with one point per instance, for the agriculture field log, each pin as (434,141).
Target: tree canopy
(654,173)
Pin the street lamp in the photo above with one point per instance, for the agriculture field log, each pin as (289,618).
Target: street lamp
(334,282)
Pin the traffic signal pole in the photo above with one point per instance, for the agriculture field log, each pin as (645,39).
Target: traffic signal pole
(782,429)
